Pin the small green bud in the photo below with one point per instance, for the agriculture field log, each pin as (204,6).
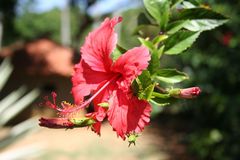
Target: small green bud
(132,139)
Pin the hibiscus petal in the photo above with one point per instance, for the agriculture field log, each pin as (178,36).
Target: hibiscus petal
(117,113)
(127,115)
(131,64)
(138,115)
(85,80)
(96,127)
(99,44)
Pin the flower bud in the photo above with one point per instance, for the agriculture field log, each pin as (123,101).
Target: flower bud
(56,123)
(189,92)
(186,93)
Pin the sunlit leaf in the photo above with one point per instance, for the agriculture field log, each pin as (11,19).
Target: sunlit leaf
(201,19)
(170,76)
(180,41)
(203,25)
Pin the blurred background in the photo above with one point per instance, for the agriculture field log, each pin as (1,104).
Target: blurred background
(39,44)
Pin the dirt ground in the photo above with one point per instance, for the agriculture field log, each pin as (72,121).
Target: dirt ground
(82,144)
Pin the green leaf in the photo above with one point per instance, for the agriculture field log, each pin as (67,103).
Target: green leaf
(203,25)
(199,13)
(180,41)
(159,10)
(201,19)
(170,76)
(176,26)
(147,44)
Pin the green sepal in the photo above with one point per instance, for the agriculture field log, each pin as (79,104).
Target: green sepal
(82,122)
(174,92)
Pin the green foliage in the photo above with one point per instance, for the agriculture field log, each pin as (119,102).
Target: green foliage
(177,29)
(33,25)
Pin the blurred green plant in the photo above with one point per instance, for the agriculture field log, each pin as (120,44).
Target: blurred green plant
(31,25)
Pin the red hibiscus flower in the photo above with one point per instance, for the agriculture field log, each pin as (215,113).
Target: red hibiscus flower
(109,82)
